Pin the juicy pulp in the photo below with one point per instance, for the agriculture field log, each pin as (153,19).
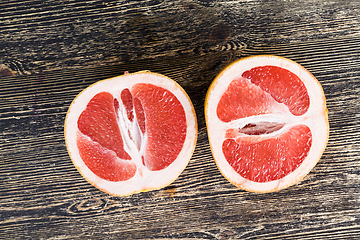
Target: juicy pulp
(112,140)
(264,91)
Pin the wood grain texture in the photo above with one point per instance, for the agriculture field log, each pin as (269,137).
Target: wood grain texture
(51,50)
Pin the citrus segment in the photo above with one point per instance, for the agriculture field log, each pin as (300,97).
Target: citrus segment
(267,122)
(139,110)
(104,162)
(131,133)
(162,110)
(243,99)
(270,159)
(127,100)
(98,121)
(283,85)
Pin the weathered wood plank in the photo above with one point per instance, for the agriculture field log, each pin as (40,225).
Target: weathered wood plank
(58,34)
(51,50)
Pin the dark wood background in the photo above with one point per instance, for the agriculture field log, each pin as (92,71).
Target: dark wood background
(51,50)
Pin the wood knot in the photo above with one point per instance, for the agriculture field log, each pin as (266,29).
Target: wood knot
(93,206)
(10,68)
(6,71)
(220,32)
(87,206)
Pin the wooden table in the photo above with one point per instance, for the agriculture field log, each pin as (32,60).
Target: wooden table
(51,50)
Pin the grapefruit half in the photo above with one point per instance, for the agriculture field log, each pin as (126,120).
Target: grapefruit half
(131,133)
(267,122)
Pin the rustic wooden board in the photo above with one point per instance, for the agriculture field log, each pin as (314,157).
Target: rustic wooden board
(51,50)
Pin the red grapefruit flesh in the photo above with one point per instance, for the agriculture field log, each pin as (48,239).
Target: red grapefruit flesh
(270,159)
(104,163)
(267,122)
(166,125)
(131,133)
(98,122)
(283,85)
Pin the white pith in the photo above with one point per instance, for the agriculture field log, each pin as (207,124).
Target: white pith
(144,179)
(134,140)
(314,118)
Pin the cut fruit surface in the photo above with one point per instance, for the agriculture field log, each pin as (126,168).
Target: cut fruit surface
(131,133)
(267,122)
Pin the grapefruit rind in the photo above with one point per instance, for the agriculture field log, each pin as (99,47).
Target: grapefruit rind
(144,179)
(316,118)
